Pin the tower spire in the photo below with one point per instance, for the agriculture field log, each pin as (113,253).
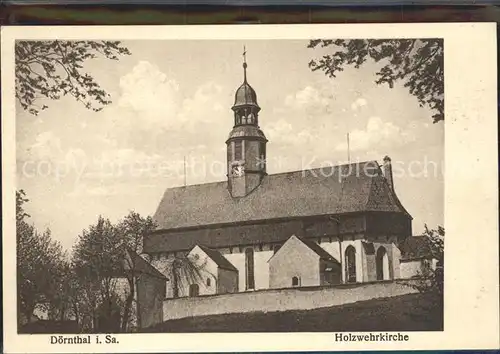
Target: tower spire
(244,64)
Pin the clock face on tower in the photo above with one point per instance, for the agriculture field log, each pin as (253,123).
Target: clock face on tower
(238,171)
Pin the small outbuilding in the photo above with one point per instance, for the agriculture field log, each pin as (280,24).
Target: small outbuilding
(302,262)
(216,275)
(416,257)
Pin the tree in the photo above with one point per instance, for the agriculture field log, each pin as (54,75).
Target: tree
(96,263)
(40,265)
(418,63)
(51,69)
(431,279)
(132,229)
(100,259)
(182,271)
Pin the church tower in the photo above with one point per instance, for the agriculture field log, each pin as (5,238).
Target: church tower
(246,145)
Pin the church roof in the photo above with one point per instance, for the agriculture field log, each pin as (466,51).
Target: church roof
(349,188)
(218,258)
(245,95)
(141,266)
(320,251)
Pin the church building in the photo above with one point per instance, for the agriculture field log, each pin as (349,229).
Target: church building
(330,225)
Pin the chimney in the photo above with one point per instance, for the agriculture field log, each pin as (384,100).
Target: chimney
(388,172)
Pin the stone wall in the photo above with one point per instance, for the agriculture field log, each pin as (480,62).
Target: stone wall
(281,299)
(413,268)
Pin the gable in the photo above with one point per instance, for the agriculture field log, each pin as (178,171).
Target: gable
(220,261)
(293,246)
(303,245)
(329,190)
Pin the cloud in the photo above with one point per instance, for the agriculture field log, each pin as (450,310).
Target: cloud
(283,132)
(147,89)
(306,98)
(377,134)
(156,116)
(85,190)
(158,100)
(203,108)
(358,103)
(46,146)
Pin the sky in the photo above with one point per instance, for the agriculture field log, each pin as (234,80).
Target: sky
(171,102)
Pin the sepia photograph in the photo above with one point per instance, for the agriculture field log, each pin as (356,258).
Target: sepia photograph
(163,188)
(232,185)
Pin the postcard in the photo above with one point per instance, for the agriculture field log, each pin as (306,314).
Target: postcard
(250,188)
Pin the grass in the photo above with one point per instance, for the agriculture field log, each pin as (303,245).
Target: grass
(412,312)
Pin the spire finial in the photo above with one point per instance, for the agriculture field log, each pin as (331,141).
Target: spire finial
(245,63)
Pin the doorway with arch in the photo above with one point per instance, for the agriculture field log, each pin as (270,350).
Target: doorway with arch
(350,264)
(382,264)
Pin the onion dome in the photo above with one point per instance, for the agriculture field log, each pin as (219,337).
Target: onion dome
(245,95)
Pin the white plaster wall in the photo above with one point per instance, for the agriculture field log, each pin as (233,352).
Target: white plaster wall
(208,269)
(281,300)
(356,243)
(396,257)
(262,269)
(163,263)
(294,259)
(410,269)
(331,247)
(238,260)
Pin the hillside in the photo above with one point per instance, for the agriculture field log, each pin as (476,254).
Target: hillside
(412,312)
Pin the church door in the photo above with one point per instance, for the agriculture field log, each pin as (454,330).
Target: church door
(382,264)
(350,264)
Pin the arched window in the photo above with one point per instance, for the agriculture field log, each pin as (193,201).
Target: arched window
(350,264)
(382,264)
(295,281)
(249,268)
(194,290)
(209,282)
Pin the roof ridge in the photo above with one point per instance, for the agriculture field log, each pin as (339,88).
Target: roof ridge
(319,168)
(279,173)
